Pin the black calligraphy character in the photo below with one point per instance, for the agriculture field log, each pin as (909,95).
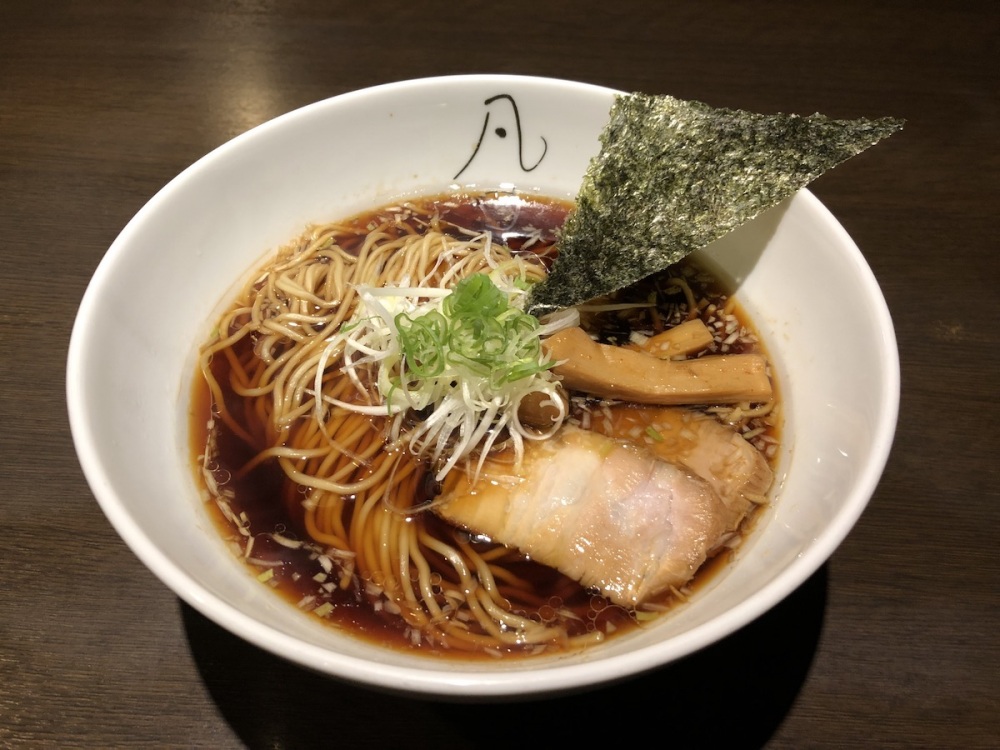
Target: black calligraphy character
(501,132)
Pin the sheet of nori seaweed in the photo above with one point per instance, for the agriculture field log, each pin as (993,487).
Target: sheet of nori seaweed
(674,175)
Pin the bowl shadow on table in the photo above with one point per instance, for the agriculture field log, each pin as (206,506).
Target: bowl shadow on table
(732,694)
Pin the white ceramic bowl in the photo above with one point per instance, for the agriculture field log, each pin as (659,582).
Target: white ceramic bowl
(155,295)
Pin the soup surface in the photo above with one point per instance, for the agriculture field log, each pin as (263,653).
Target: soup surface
(375,559)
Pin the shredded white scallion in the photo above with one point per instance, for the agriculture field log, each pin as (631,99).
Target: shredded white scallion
(464,357)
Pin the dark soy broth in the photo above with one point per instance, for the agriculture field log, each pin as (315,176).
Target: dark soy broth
(260,512)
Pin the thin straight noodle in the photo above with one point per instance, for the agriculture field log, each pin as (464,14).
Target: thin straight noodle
(358,491)
(404,564)
(525,628)
(365,517)
(320,525)
(424,575)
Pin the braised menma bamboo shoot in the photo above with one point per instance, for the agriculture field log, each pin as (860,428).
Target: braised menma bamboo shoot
(615,372)
(686,338)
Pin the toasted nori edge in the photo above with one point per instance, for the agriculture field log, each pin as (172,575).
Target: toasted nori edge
(674,175)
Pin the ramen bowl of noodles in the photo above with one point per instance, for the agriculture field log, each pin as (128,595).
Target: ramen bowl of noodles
(306,389)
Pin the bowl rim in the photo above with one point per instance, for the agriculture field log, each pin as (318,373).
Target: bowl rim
(432,680)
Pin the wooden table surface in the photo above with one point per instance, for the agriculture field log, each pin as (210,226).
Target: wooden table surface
(893,643)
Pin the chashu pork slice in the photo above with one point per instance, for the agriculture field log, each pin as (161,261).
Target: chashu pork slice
(605,512)
(717,453)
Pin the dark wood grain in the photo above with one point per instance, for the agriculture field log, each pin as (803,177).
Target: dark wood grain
(894,643)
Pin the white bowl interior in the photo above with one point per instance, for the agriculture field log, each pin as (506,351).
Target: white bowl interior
(155,295)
